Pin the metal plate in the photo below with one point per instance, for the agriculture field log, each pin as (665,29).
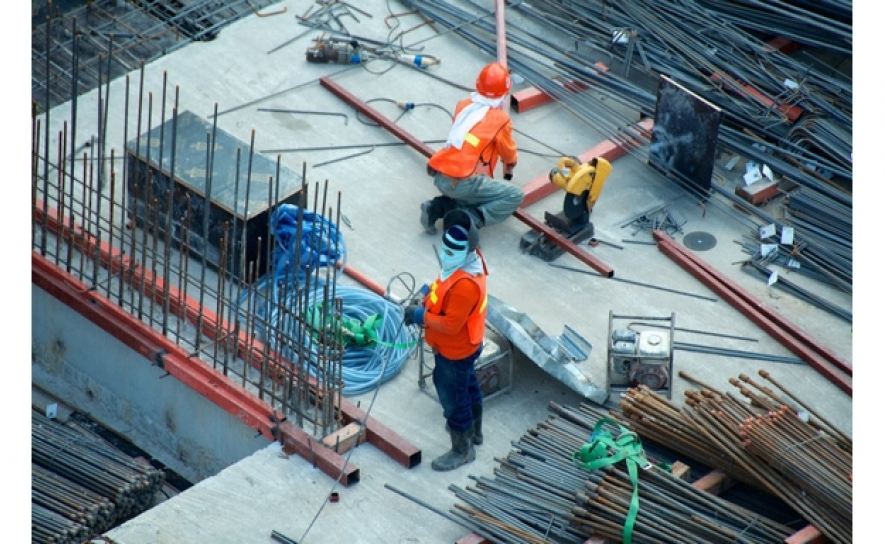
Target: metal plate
(699,241)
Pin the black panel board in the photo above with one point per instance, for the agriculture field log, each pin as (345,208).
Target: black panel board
(684,136)
(230,204)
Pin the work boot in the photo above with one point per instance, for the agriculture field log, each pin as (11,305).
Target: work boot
(434,210)
(477,425)
(429,216)
(461,452)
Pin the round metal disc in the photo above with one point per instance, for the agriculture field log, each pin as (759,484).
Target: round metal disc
(699,241)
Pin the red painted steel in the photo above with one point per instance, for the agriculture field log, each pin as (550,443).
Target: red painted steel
(728,291)
(159,350)
(564,243)
(382,437)
(791,328)
(532,97)
(500,19)
(251,350)
(808,535)
(375,116)
(791,112)
(364,280)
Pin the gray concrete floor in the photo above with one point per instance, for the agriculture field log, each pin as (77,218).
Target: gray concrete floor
(381,192)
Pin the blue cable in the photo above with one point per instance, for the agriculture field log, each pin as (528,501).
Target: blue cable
(321,244)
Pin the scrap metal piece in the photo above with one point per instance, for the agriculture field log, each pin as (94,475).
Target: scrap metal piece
(699,241)
(545,351)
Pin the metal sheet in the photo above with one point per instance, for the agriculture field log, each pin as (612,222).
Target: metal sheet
(545,351)
(685,135)
(699,241)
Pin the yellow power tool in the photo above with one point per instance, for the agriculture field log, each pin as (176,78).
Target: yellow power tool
(583,183)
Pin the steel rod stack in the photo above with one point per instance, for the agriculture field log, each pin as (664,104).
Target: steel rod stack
(539,495)
(773,442)
(776,111)
(80,477)
(136,32)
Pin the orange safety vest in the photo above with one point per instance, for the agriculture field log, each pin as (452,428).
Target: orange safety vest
(475,156)
(475,325)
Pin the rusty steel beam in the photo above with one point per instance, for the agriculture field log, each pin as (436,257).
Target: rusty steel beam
(375,116)
(769,321)
(161,351)
(788,326)
(251,350)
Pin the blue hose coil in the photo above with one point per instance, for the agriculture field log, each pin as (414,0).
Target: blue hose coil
(294,259)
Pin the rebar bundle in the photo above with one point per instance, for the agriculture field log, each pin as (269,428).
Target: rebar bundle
(539,495)
(81,484)
(117,37)
(773,442)
(777,111)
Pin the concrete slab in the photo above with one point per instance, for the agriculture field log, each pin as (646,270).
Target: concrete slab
(381,192)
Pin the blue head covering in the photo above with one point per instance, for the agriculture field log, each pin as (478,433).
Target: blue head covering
(455,248)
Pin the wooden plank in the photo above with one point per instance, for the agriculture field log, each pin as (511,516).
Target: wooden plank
(716,482)
(344,438)
(758,193)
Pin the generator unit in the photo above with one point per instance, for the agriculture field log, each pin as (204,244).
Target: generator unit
(640,352)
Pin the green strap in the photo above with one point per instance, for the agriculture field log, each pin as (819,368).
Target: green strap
(354,333)
(604,450)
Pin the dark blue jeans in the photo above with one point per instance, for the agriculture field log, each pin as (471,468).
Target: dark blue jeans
(458,389)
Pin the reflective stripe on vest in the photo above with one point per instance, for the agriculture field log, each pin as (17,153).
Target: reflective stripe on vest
(476,319)
(464,162)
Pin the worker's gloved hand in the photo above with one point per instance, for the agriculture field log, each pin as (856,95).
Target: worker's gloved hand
(508,177)
(508,171)
(414,315)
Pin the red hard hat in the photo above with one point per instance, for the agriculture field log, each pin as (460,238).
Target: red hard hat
(494,81)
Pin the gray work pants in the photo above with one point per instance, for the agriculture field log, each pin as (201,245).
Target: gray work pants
(495,199)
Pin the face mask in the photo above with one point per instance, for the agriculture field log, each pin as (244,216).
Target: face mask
(451,260)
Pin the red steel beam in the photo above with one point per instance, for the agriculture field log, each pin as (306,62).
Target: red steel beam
(726,289)
(500,19)
(564,243)
(383,438)
(791,328)
(745,90)
(375,116)
(160,351)
(783,45)
(807,535)
(532,97)
(377,434)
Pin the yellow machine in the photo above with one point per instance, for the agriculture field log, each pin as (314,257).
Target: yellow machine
(583,183)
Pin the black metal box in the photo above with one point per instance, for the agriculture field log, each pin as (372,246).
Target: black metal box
(227,212)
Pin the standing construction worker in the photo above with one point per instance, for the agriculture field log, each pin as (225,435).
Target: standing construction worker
(453,318)
(463,170)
